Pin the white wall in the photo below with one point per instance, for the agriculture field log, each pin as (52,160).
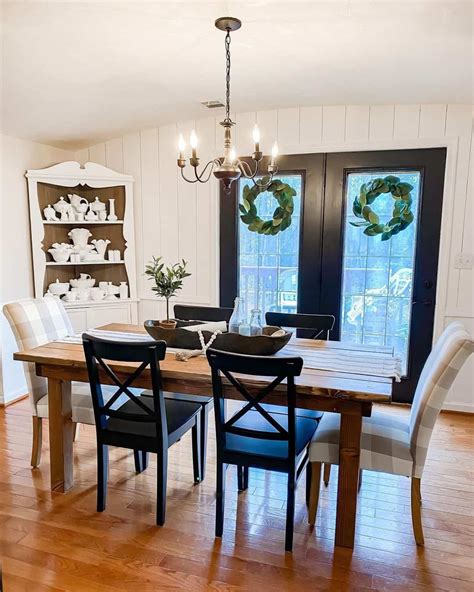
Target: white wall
(16,271)
(175,219)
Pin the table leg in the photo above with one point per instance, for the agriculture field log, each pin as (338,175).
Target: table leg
(349,456)
(61,433)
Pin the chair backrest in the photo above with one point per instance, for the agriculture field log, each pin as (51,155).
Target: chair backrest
(447,357)
(186,312)
(321,325)
(99,353)
(280,369)
(35,322)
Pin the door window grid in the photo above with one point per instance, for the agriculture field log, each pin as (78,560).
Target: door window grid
(268,265)
(378,314)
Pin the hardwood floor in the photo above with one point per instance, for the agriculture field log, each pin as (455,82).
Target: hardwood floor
(51,541)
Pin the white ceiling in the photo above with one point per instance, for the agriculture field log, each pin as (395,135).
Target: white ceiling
(74,73)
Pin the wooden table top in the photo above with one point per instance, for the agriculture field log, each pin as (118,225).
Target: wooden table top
(69,359)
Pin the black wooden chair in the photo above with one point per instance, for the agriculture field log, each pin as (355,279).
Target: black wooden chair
(252,437)
(319,325)
(146,423)
(186,312)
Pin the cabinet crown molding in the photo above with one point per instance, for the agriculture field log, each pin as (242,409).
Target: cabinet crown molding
(81,174)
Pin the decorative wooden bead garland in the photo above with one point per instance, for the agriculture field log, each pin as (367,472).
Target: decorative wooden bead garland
(184,356)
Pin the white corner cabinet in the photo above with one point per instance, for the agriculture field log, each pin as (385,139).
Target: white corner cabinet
(45,188)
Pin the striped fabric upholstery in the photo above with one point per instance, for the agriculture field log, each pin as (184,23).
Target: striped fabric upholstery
(391,445)
(35,322)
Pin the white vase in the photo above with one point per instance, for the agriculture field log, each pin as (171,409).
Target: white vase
(112,217)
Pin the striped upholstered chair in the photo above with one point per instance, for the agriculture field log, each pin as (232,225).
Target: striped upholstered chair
(392,445)
(35,322)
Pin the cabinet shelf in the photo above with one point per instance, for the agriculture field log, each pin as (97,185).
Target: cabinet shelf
(81,222)
(72,264)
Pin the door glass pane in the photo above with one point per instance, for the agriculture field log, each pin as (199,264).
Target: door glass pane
(378,275)
(268,265)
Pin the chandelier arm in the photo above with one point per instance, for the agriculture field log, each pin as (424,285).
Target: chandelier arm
(246,170)
(186,179)
(210,164)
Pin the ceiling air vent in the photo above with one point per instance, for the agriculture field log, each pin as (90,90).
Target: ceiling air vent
(212,104)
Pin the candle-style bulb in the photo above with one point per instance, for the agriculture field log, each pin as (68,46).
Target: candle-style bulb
(181,144)
(193,140)
(232,155)
(256,134)
(274,151)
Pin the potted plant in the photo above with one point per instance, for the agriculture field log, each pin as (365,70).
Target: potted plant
(168,280)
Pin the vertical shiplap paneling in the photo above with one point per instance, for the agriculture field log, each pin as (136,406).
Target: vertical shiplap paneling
(432,121)
(288,127)
(82,156)
(132,165)
(242,133)
(407,122)
(150,226)
(187,213)
(357,123)
(114,154)
(97,154)
(459,123)
(381,122)
(268,124)
(334,124)
(169,229)
(206,235)
(465,299)
(311,125)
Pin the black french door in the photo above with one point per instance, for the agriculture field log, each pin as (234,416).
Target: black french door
(380,291)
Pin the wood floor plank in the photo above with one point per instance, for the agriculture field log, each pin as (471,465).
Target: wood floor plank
(54,542)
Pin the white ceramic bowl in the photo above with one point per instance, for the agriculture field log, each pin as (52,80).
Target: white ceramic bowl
(60,255)
(82,284)
(58,288)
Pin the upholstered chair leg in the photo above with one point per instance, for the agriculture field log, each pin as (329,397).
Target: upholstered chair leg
(314,491)
(75,431)
(196,440)
(290,511)
(220,496)
(360,480)
(102,474)
(327,473)
(37,441)
(308,483)
(416,511)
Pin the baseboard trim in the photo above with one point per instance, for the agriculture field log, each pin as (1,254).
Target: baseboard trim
(458,409)
(14,400)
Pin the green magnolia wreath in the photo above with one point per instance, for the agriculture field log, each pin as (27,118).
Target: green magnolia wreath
(402,216)
(281,220)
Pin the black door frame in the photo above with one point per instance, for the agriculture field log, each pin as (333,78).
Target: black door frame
(321,238)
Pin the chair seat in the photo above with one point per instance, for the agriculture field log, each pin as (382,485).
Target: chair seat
(275,449)
(385,443)
(81,400)
(178,413)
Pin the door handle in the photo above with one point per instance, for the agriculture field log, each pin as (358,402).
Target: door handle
(425,302)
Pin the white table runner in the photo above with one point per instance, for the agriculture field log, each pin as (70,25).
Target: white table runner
(320,358)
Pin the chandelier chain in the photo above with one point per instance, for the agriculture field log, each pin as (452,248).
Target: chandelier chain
(227,77)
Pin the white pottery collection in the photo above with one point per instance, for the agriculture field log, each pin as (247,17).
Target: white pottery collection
(75,208)
(83,289)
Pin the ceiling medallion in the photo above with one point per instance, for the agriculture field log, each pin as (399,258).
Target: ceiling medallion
(228,168)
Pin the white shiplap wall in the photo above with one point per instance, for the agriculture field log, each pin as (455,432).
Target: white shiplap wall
(176,220)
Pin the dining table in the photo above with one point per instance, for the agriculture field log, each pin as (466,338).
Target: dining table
(351,392)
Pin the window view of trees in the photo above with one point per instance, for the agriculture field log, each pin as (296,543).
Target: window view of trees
(268,265)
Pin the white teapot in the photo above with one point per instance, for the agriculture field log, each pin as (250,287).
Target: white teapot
(80,204)
(79,236)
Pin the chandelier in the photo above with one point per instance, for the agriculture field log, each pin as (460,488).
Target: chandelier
(228,168)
